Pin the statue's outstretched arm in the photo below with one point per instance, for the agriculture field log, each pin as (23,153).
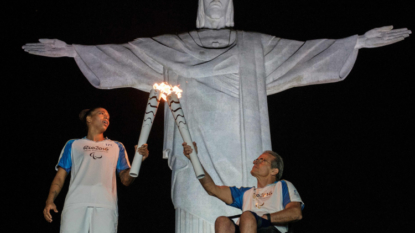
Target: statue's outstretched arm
(50,48)
(382,36)
(105,66)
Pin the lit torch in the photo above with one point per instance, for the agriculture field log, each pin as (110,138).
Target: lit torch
(178,115)
(151,110)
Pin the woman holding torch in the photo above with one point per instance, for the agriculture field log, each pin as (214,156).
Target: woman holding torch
(91,202)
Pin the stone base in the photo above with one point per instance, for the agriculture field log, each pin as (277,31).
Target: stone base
(188,223)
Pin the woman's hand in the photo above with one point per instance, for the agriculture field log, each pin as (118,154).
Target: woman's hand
(142,150)
(46,211)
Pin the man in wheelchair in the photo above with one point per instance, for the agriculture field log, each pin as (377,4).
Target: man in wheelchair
(269,207)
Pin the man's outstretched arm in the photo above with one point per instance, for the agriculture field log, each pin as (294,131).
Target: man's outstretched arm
(221,192)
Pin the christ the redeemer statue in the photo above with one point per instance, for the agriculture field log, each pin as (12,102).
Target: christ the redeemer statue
(226,76)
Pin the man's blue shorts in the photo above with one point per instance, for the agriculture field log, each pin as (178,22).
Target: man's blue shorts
(261,223)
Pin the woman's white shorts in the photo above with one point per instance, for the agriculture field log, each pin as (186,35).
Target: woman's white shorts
(86,219)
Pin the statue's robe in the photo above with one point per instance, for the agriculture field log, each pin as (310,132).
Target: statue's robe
(224,100)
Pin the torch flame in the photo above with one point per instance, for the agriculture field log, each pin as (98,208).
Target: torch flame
(168,89)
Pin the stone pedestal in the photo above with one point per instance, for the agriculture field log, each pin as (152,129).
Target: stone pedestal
(189,223)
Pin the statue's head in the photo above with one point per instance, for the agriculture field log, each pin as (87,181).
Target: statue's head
(215,14)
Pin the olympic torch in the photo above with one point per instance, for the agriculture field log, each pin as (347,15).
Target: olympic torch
(151,110)
(178,115)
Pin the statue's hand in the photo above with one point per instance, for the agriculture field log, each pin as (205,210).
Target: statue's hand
(382,36)
(50,48)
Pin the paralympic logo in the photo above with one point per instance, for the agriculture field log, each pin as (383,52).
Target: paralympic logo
(94,156)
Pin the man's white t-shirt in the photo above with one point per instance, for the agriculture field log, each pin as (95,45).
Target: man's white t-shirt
(269,199)
(92,166)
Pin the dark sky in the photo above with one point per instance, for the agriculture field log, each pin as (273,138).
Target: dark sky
(348,146)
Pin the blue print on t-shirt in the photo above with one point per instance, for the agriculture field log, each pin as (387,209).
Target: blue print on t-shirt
(66,160)
(285,194)
(122,163)
(238,196)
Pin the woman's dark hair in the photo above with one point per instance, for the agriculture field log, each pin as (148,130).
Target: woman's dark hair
(86,112)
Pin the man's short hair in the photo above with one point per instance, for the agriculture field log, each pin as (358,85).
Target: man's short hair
(277,162)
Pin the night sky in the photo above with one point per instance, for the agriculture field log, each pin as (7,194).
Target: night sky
(347,146)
